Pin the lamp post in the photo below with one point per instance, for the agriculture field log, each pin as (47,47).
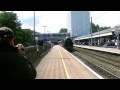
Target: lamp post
(91,32)
(34,27)
(44,31)
(118,38)
(48,32)
(99,38)
(48,35)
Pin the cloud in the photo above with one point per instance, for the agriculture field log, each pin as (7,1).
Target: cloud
(106,18)
(28,14)
(27,18)
(54,20)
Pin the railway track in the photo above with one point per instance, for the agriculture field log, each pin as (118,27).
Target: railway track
(106,67)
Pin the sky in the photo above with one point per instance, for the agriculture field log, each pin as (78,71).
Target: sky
(55,20)
(52,20)
(106,18)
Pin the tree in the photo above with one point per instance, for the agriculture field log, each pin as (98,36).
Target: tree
(24,37)
(102,28)
(10,20)
(63,30)
(19,38)
(27,36)
(95,28)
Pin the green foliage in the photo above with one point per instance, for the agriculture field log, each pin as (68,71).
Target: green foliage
(27,36)
(24,36)
(102,28)
(63,30)
(19,38)
(96,28)
(10,19)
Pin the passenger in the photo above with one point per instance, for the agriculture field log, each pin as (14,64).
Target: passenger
(12,64)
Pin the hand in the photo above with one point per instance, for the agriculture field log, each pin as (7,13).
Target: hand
(21,49)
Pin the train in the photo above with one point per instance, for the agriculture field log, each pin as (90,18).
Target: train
(68,44)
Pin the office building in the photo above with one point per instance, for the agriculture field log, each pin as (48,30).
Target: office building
(78,23)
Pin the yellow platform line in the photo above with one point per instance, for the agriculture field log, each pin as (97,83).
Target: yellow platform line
(64,65)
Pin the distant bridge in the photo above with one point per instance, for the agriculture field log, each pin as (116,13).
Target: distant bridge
(51,36)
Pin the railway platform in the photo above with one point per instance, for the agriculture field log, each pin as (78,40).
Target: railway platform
(111,50)
(60,64)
